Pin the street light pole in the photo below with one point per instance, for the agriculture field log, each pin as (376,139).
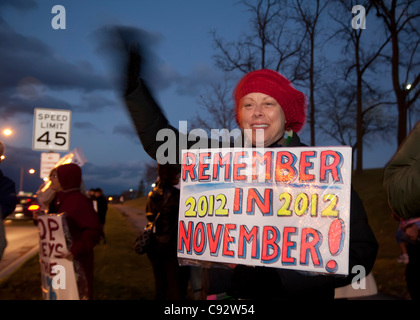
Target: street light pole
(21,180)
(31,171)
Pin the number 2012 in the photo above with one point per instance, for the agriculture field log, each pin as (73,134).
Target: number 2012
(301,204)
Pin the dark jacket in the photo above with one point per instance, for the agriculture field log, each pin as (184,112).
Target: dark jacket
(163,200)
(402,177)
(81,218)
(260,282)
(7,196)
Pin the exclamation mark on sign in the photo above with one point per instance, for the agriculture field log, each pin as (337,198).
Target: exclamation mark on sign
(335,243)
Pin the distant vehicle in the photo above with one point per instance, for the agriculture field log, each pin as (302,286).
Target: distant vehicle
(26,206)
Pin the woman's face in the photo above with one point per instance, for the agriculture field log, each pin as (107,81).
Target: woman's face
(55,183)
(261,112)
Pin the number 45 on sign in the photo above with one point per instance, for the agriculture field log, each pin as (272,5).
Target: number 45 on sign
(51,129)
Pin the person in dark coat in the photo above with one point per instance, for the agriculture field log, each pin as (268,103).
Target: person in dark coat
(7,201)
(82,221)
(171,279)
(280,119)
(402,186)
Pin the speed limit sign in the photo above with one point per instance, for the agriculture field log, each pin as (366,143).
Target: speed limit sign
(51,129)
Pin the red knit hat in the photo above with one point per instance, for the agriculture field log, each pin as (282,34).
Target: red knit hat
(272,83)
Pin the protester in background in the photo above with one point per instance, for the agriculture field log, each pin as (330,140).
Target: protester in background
(7,201)
(82,220)
(402,186)
(102,208)
(171,280)
(264,100)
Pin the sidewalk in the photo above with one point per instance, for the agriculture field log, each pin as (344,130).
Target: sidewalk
(136,216)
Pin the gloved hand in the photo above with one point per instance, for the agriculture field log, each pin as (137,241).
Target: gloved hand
(126,48)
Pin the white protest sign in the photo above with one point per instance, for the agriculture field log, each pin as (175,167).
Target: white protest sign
(75,156)
(275,207)
(51,129)
(57,273)
(48,162)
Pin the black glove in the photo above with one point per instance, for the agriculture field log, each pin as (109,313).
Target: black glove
(126,49)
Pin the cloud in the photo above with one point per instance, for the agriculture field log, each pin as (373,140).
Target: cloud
(127,131)
(13,104)
(22,5)
(26,56)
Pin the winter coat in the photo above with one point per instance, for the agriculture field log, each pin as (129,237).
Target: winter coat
(81,218)
(166,202)
(402,177)
(260,282)
(7,196)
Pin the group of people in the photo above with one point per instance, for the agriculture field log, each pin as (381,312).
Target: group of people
(264,100)
(84,220)
(100,204)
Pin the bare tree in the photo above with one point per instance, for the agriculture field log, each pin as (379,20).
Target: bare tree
(361,63)
(218,107)
(309,17)
(337,121)
(401,20)
(270,43)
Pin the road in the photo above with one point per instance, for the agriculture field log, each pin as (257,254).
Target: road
(22,243)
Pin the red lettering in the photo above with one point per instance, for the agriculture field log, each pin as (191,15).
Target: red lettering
(227,239)
(52,226)
(270,250)
(247,236)
(188,166)
(214,239)
(266,159)
(199,238)
(285,167)
(44,252)
(310,242)
(264,204)
(59,253)
(237,166)
(222,162)
(237,201)
(184,239)
(304,165)
(288,246)
(332,168)
(42,229)
(203,167)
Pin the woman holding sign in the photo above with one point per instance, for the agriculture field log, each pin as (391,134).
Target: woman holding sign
(83,222)
(265,102)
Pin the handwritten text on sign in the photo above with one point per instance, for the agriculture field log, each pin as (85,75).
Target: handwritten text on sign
(52,248)
(277,207)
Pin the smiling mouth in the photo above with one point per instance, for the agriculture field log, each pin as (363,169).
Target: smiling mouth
(259,126)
